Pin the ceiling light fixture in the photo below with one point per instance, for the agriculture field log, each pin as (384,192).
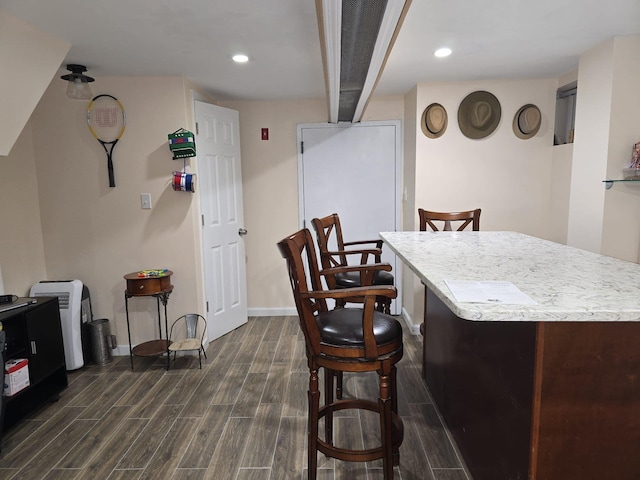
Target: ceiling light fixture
(442,52)
(78,87)
(240,58)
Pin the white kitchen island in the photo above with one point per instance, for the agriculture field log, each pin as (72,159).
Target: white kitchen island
(549,390)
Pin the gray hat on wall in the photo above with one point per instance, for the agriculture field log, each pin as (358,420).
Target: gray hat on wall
(479,114)
(526,121)
(434,120)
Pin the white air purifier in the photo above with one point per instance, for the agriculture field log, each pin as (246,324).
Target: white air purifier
(69,293)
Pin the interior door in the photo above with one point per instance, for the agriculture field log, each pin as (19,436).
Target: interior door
(353,170)
(220,186)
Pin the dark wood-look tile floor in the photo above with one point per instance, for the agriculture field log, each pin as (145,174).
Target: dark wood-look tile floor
(242,417)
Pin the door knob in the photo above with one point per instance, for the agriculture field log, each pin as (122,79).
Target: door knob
(242,232)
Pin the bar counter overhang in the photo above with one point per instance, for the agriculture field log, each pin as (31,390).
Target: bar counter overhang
(549,391)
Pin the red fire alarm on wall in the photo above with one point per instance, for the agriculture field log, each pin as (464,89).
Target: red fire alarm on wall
(265,134)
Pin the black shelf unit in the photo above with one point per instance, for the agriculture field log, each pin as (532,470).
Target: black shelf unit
(34,332)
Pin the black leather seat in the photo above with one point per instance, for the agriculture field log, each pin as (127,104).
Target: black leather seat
(352,279)
(343,328)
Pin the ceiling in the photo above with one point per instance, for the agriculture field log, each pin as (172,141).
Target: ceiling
(491,39)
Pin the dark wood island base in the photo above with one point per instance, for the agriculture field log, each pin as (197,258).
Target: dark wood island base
(537,400)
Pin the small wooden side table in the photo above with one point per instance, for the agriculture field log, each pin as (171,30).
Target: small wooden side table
(158,286)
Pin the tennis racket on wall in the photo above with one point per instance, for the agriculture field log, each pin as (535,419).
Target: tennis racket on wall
(106,120)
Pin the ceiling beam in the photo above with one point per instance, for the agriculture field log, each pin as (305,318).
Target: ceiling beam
(329,13)
(348,86)
(391,22)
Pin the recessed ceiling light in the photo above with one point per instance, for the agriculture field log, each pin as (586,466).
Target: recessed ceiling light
(442,52)
(240,58)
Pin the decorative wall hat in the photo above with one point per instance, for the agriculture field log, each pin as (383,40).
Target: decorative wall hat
(526,121)
(434,120)
(479,114)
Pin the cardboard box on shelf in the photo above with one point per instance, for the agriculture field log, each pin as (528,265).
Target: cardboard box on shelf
(16,376)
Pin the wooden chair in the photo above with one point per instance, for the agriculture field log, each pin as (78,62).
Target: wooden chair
(364,250)
(469,217)
(345,340)
(466,218)
(187,334)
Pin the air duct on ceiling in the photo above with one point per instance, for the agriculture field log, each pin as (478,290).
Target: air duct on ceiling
(356,37)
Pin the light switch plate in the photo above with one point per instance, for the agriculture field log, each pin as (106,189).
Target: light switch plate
(145,200)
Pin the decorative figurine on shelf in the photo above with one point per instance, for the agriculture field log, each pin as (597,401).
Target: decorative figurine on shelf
(633,170)
(635,156)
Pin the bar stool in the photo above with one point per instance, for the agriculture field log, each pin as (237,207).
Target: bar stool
(363,249)
(345,340)
(427,219)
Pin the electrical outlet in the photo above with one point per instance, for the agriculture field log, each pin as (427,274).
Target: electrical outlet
(145,200)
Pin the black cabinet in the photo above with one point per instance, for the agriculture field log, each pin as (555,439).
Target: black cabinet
(34,332)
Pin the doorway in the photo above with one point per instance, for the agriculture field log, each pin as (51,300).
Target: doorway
(353,170)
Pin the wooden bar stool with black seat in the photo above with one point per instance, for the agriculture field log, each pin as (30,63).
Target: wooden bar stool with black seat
(335,252)
(427,219)
(466,218)
(345,340)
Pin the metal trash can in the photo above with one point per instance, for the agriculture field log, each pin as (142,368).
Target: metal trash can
(100,334)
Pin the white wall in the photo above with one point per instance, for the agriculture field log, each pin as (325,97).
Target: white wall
(21,241)
(589,166)
(607,126)
(560,192)
(510,179)
(270,186)
(621,224)
(30,58)
(98,234)
(412,297)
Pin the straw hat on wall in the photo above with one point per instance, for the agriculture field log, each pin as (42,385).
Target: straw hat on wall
(479,114)
(526,121)
(434,120)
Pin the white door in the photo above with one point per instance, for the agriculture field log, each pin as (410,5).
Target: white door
(354,171)
(220,186)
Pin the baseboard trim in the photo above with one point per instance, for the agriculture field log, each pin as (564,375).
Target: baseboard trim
(121,351)
(272,312)
(415,329)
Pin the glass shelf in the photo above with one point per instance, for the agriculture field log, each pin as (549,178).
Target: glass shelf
(609,183)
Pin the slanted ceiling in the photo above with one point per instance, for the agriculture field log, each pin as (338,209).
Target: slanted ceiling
(30,58)
(356,38)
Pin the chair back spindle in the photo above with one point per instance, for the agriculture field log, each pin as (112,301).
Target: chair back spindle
(335,252)
(469,217)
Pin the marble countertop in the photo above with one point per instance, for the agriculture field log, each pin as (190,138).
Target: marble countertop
(567,283)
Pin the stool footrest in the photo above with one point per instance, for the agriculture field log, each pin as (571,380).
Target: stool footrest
(365,455)
(348,404)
